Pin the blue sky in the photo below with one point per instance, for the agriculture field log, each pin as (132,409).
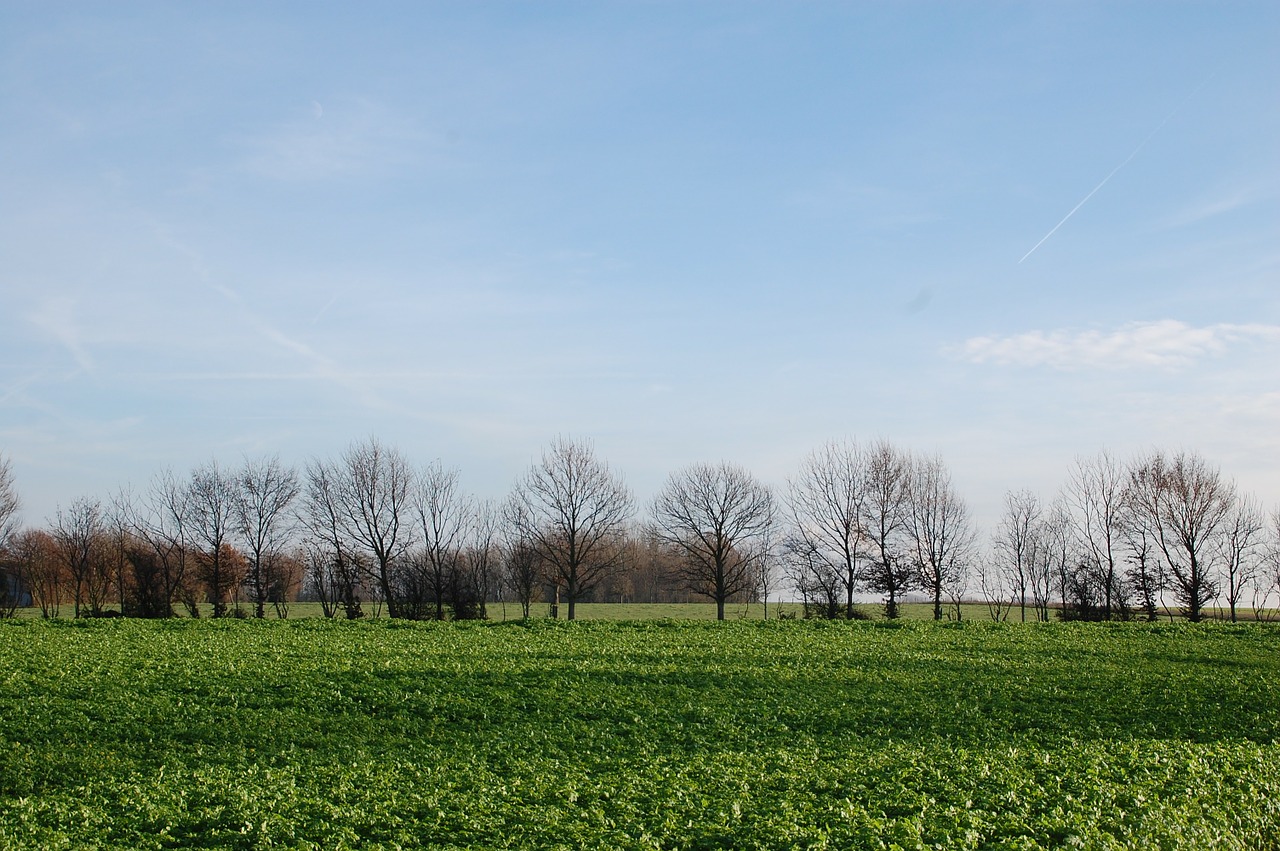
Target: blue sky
(686,231)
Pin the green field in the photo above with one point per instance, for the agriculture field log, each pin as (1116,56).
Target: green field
(385,734)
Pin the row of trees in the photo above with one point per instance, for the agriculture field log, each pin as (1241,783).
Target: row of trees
(1132,537)
(367,528)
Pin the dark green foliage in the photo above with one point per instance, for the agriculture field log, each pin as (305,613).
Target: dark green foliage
(333,734)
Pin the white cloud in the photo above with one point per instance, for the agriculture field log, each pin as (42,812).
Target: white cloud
(1164,343)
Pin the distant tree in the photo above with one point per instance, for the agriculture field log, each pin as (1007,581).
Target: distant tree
(994,585)
(212,517)
(79,531)
(826,501)
(818,582)
(158,522)
(766,572)
(265,492)
(10,582)
(1267,584)
(522,573)
(334,566)
(941,533)
(1095,494)
(886,514)
(1243,550)
(1055,563)
(482,554)
(372,488)
(42,570)
(446,518)
(1184,504)
(573,510)
(717,517)
(1015,544)
(1145,573)
(9,503)
(288,573)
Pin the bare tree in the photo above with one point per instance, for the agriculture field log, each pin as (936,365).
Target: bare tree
(1145,574)
(41,568)
(158,521)
(1243,548)
(366,496)
(1053,561)
(942,535)
(522,573)
(78,531)
(574,512)
(818,582)
(446,517)
(265,493)
(717,517)
(826,502)
(885,522)
(9,503)
(1095,493)
(994,585)
(334,566)
(766,570)
(212,506)
(1014,543)
(1267,585)
(482,553)
(1184,504)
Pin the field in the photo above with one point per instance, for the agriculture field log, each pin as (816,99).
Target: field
(384,734)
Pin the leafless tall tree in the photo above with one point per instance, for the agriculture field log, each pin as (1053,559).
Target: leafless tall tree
(996,589)
(78,531)
(1184,504)
(42,570)
(1014,543)
(573,510)
(1268,584)
(212,498)
(813,578)
(886,515)
(159,553)
(1243,550)
(942,535)
(1095,493)
(369,491)
(265,494)
(826,501)
(483,553)
(1053,561)
(9,503)
(717,517)
(445,517)
(334,566)
(522,572)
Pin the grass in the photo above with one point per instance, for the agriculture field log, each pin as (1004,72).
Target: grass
(641,734)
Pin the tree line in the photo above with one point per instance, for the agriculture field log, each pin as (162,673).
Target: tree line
(367,531)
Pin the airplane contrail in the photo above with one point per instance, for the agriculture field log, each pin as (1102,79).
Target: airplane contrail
(1127,160)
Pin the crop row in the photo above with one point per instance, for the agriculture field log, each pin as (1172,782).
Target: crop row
(316,734)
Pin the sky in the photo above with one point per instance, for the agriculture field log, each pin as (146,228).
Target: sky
(1010,234)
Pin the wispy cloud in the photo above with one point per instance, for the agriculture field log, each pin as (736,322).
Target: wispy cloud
(56,317)
(1217,205)
(1164,343)
(349,138)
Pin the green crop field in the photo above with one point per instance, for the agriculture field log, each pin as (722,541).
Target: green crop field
(749,734)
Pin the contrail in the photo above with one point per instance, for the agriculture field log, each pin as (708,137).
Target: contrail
(1127,160)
